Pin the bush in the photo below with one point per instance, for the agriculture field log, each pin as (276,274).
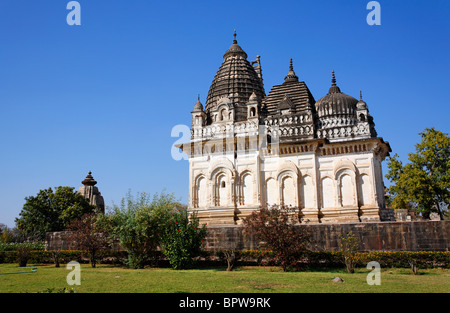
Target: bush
(275,228)
(13,246)
(181,238)
(331,259)
(136,224)
(23,255)
(87,235)
(311,259)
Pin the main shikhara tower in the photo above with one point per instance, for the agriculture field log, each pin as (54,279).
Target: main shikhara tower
(250,150)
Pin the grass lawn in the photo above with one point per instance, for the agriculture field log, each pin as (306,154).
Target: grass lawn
(115,279)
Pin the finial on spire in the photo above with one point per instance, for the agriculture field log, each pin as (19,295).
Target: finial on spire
(291,77)
(234,35)
(198,97)
(89,180)
(360,95)
(334,88)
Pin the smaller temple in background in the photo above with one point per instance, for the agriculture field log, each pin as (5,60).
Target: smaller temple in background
(90,192)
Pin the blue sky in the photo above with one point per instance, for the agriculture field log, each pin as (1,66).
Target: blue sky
(104,96)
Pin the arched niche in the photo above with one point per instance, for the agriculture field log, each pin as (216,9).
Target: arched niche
(200,192)
(366,194)
(271,192)
(288,184)
(346,187)
(328,194)
(247,188)
(222,176)
(308,192)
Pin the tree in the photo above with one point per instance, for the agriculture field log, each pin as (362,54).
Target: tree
(50,211)
(424,183)
(276,228)
(349,245)
(86,234)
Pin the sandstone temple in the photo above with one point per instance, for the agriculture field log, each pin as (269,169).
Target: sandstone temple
(250,149)
(90,192)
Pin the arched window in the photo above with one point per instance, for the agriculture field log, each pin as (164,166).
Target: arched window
(252,111)
(362,117)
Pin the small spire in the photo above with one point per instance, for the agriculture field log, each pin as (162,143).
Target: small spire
(334,88)
(291,77)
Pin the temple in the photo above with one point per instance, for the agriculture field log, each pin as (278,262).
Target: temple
(249,150)
(90,192)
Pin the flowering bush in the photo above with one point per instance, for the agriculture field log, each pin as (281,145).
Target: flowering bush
(181,238)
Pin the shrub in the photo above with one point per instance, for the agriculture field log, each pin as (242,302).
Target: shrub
(137,223)
(23,255)
(275,228)
(13,246)
(335,259)
(181,238)
(87,235)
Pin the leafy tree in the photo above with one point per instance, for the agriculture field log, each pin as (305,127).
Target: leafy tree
(349,245)
(87,235)
(50,211)
(6,234)
(181,238)
(275,227)
(137,223)
(424,183)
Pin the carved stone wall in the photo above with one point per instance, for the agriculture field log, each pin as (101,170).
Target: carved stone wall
(59,241)
(380,236)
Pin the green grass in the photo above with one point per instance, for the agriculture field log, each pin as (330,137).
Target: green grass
(114,279)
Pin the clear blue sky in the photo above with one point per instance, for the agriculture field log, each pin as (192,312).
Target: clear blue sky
(104,96)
